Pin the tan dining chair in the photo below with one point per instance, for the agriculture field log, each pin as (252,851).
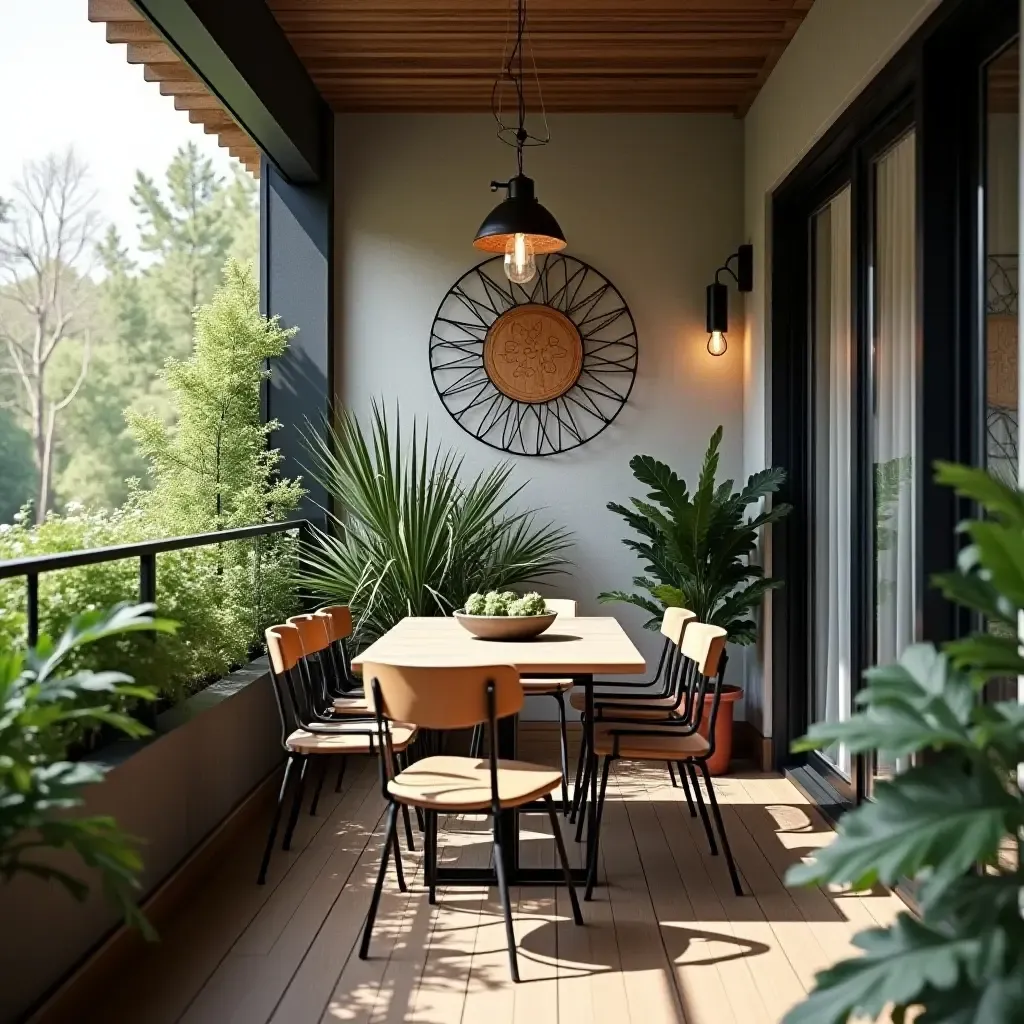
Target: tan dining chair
(305,736)
(323,666)
(656,699)
(338,619)
(448,699)
(555,688)
(679,739)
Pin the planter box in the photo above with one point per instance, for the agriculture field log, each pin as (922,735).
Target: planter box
(171,791)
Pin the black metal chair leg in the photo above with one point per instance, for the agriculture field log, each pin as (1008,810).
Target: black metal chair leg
(672,774)
(686,790)
(341,774)
(564,751)
(720,825)
(580,768)
(293,817)
(592,854)
(397,849)
(563,859)
(581,805)
(408,829)
(430,856)
(371,914)
(703,810)
(274,823)
(506,908)
(321,775)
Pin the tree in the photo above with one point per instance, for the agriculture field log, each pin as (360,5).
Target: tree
(214,469)
(17,468)
(193,225)
(46,249)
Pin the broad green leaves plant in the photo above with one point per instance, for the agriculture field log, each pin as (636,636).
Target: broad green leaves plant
(39,788)
(951,822)
(697,547)
(412,537)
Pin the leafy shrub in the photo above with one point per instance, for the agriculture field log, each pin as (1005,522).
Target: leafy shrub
(222,596)
(38,784)
(415,537)
(952,822)
(697,548)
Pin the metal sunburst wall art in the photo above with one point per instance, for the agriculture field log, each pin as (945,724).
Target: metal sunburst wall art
(534,369)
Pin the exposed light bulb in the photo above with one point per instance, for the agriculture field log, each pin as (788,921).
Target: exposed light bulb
(717,343)
(520,264)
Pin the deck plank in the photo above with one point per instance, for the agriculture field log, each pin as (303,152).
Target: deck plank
(665,941)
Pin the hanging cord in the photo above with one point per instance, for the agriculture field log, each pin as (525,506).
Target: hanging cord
(512,71)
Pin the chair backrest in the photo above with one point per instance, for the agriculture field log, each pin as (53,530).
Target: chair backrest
(444,698)
(339,621)
(704,659)
(312,632)
(561,606)
(284,648)
(674,623)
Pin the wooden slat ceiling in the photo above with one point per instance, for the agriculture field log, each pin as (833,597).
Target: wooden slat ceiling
(174,78)
(591,55)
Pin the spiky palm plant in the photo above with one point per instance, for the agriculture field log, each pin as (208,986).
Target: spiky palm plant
(411,538)
(697,549)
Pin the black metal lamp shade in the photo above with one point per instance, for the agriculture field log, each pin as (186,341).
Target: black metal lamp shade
(520,213)
(717,308)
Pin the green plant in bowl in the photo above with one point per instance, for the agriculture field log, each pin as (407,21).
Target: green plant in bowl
(505,603)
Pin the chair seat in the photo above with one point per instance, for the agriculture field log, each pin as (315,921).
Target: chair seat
(464,783)
(351,706)
(652,746)
(533,687)
(347,741)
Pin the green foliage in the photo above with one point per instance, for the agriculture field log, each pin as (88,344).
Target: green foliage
(18,478)
(40,703)
(414,538)
(505,603)
(697,548)
(213,472)
(193,225)
(944,822)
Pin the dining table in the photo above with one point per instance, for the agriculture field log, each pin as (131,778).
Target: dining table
(582,648)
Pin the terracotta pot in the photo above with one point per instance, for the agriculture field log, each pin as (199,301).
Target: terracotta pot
(719,763)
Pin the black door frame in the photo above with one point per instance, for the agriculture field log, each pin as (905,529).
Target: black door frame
(932,85)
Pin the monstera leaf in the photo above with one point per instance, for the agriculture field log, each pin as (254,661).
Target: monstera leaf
(946,823)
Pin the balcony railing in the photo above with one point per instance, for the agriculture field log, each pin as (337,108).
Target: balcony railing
(145,551)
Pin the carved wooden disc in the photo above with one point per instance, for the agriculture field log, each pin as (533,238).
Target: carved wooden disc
(533,353)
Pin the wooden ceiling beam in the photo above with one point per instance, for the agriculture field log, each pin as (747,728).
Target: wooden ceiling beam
(114,10)
(132,32)
(151,54)
(197,101)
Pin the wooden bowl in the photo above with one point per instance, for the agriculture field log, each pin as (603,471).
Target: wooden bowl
(505,627)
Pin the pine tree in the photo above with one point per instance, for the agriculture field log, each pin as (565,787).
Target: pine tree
(214,470)
(192,226)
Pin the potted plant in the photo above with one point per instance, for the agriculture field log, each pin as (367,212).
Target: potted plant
(414,536)
(949,825)
(40,709)
(697,552)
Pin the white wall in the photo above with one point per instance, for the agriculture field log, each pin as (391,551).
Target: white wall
(654,202)
(839,48)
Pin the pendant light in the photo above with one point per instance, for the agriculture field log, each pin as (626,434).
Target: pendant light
(518,226)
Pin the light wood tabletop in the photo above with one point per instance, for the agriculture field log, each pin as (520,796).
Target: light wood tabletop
(590,645)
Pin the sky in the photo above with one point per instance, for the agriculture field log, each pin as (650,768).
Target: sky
(62,84)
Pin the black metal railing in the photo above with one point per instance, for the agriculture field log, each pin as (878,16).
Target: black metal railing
(145,551)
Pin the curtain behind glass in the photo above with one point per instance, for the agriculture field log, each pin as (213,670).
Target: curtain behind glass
(832,688)
(896,406)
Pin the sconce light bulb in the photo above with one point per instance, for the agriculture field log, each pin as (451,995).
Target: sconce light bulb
(717,343)
(520,263)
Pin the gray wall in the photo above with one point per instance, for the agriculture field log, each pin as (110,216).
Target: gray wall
(655,202)
(172,793)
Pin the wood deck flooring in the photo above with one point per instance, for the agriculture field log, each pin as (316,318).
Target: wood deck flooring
(665,941)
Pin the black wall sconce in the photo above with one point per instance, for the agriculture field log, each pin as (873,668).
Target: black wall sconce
(718,297)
